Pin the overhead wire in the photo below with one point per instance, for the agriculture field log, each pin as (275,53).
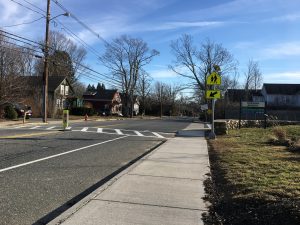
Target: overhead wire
(95,52)
(20,46)
(27,7)
(17,50)
(17,36)
(34,6)
(24,23)
(15,39)
(82,42)
(79,21)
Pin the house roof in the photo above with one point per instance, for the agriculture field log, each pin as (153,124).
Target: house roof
(53,81)
(241,94)
(283,89)
(103,95)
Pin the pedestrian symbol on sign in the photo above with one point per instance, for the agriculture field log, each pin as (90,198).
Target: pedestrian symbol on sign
(214,79)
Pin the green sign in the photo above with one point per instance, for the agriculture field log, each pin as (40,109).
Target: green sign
(253,104)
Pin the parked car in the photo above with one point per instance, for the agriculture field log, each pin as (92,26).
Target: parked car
(22,109)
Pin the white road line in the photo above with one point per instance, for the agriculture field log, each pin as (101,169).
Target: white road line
(99,130)
(157,135)
(50,128)
(119,131)
(57,155)
(18,127)
(84,129)
(138,133)
(32,128)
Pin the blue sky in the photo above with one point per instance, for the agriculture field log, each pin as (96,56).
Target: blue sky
(264,30)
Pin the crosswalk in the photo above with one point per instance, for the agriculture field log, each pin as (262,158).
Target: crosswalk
(96,130)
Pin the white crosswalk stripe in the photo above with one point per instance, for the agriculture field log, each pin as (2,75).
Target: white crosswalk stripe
(119,131)
(138,133)
(84,129)
(32,128)
(50,128)
(157,135)
(98,130)
(18,127)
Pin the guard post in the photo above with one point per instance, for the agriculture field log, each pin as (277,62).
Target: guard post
(65,119)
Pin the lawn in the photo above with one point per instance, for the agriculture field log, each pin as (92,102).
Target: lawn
(256,182)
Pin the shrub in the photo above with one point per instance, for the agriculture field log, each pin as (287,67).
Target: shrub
(10,112)
(82,111)
(295,145)
(279,133)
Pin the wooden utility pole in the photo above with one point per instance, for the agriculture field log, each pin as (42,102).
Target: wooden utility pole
(46,71)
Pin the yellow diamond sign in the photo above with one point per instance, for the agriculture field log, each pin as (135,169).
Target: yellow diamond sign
(213,79)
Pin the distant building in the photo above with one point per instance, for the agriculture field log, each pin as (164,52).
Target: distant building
(282,101)
(237,95)
(60,94)
(282,96)
(104,102)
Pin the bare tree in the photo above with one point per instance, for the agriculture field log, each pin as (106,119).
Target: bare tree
(65,57)
(125,57)
(197,63)
(11,62)
(166,96)
(143,89)
(253,76)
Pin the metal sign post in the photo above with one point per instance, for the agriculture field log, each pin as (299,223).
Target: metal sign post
(213,79)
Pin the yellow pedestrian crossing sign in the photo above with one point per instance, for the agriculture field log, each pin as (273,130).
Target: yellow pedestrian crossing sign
(213,94)
(213,79)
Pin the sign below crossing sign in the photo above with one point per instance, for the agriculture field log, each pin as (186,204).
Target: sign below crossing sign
(213,94)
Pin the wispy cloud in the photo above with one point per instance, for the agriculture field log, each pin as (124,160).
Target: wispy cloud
(285,18)
(246,44)
(12,13)
(281,50)
(164,73)
(180,25)
(283,77)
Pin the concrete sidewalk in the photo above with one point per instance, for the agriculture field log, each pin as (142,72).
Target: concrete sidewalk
(164,188)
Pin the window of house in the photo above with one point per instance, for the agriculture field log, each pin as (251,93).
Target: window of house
(62,89)
(58,102)
(66,90)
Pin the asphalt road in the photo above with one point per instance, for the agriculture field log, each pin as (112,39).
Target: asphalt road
(43,170)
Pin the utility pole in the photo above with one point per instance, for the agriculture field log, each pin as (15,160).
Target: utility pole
(46,71)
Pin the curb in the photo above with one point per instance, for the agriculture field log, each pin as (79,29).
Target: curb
(112,178)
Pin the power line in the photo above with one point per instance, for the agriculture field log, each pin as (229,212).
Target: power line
(79,21)
(97,79)
(34,6)
(20,46)
(24,23)
(82,42)
(27,7)
(24,42)
(17,50)
(90,72)
(67,29)
(8,33)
